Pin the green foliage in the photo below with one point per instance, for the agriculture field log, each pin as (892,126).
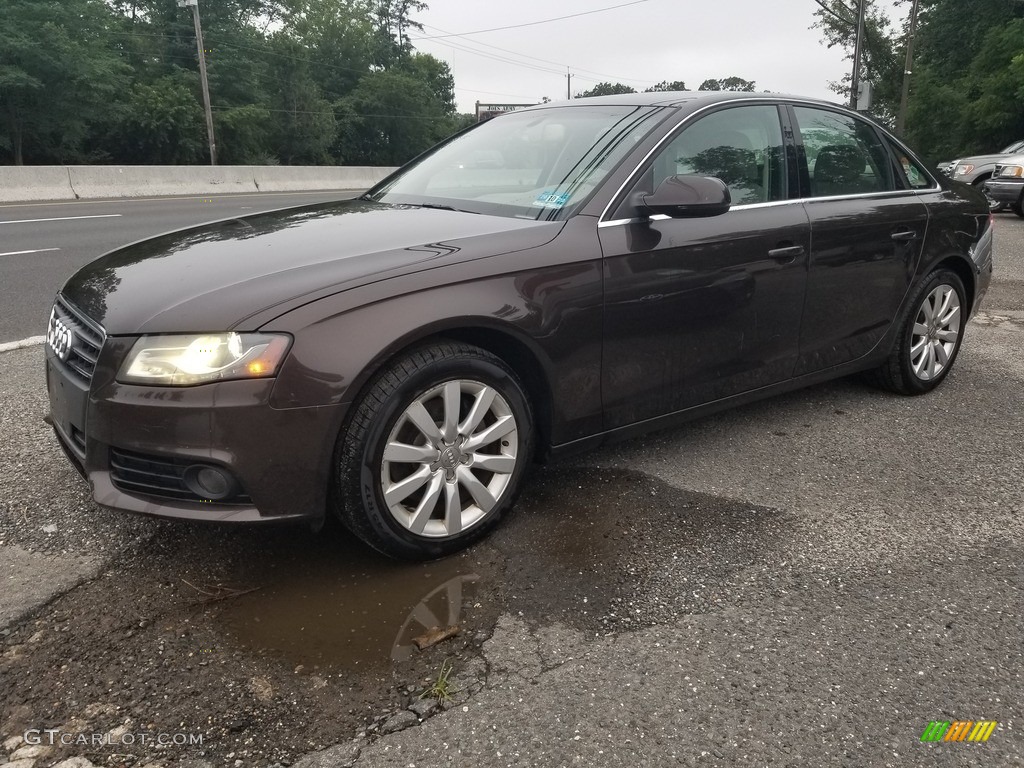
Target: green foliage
(967,89)
(606,89)
(160,124)
(58,76)
(882,56)
(728,84)
(665,85)
(390,118)
(976,87)
(118,81)
(442,689)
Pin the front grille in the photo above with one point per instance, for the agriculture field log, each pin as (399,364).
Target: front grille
(87,340)
(159,476)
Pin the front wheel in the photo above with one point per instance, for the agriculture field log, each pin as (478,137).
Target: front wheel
(434,452)
(931,330)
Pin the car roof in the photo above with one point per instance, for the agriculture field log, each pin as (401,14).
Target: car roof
(680,98)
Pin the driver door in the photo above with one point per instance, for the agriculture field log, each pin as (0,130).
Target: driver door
(700,309)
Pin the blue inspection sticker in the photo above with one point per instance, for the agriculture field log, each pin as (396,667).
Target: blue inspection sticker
(551,199)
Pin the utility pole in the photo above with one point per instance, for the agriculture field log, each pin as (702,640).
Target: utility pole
(901,117)
(568,84)
(194,5)
(857,48)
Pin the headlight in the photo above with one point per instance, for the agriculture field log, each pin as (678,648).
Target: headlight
(186,360)
(1012,172)
(963,170)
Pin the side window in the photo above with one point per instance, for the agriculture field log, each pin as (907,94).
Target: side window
(742,146)
(916,177)
(844,155)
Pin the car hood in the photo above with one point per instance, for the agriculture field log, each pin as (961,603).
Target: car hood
(981,159)
(215,276)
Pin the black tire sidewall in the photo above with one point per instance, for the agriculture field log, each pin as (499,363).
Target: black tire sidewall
(941,277)
(402,542)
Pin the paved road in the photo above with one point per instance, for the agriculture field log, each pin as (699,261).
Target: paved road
(805,581)
(42,244)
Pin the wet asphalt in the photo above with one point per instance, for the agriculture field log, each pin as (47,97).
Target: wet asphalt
(809,580)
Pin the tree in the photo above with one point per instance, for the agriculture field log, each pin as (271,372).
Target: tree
(393,25)
(160,124)
(58,75)
(665,85)
(728,84)
(388,119)
(304,124)
(436,74)
(606,89)
(979,111)
(882,55)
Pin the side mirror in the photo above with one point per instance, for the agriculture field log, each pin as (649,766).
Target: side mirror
(687,197)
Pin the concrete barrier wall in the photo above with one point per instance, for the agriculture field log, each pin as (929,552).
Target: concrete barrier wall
(33,183)
(97,181)
(290,179)
(28,183)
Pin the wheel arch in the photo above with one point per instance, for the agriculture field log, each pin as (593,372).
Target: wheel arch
(963,269)
(502,341)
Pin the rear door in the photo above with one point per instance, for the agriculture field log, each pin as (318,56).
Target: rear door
(867,232)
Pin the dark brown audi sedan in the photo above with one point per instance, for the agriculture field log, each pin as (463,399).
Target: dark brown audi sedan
(541,283)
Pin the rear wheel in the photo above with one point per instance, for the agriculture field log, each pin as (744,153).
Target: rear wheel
(931,330)
(434,452)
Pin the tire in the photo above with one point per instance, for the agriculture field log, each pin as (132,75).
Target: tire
(1018,208)
(993,205)
(434,452)
(931,331)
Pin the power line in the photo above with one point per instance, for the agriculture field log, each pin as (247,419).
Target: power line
(532,23)
(462,47)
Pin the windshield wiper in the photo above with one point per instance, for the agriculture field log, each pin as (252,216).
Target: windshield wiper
(443,208)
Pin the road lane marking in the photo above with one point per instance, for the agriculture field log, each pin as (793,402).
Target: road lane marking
(217,196)
(31,341)
(67,218)
(22,253)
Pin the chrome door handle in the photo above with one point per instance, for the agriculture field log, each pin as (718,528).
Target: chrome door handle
(786,253)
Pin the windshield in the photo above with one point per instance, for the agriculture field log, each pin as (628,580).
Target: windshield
(538,164)
(1017,146)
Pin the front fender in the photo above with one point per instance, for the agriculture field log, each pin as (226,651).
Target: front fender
(547,301)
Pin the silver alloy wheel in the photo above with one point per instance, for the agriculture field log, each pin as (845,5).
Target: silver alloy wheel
(449,458)
(936,330)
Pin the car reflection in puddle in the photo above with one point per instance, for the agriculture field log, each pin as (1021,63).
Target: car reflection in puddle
(597,549)
(326,616)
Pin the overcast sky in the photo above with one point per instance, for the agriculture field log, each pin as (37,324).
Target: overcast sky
(691,40)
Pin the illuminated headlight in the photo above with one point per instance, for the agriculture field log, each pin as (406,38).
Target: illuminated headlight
(187,360)
(963,170)
(1012,172)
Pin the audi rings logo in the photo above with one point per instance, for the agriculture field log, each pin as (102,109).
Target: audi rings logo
(59,337)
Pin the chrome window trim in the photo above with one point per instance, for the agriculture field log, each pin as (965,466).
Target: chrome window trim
(777,203)
(602,222)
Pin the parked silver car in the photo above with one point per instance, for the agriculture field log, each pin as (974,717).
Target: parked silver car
(979,168)
(1006,187)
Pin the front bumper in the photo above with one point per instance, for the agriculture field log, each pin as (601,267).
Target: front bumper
(1009,191)
(281,458)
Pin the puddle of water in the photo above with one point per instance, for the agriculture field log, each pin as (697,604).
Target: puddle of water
(598,549)
(332,613)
